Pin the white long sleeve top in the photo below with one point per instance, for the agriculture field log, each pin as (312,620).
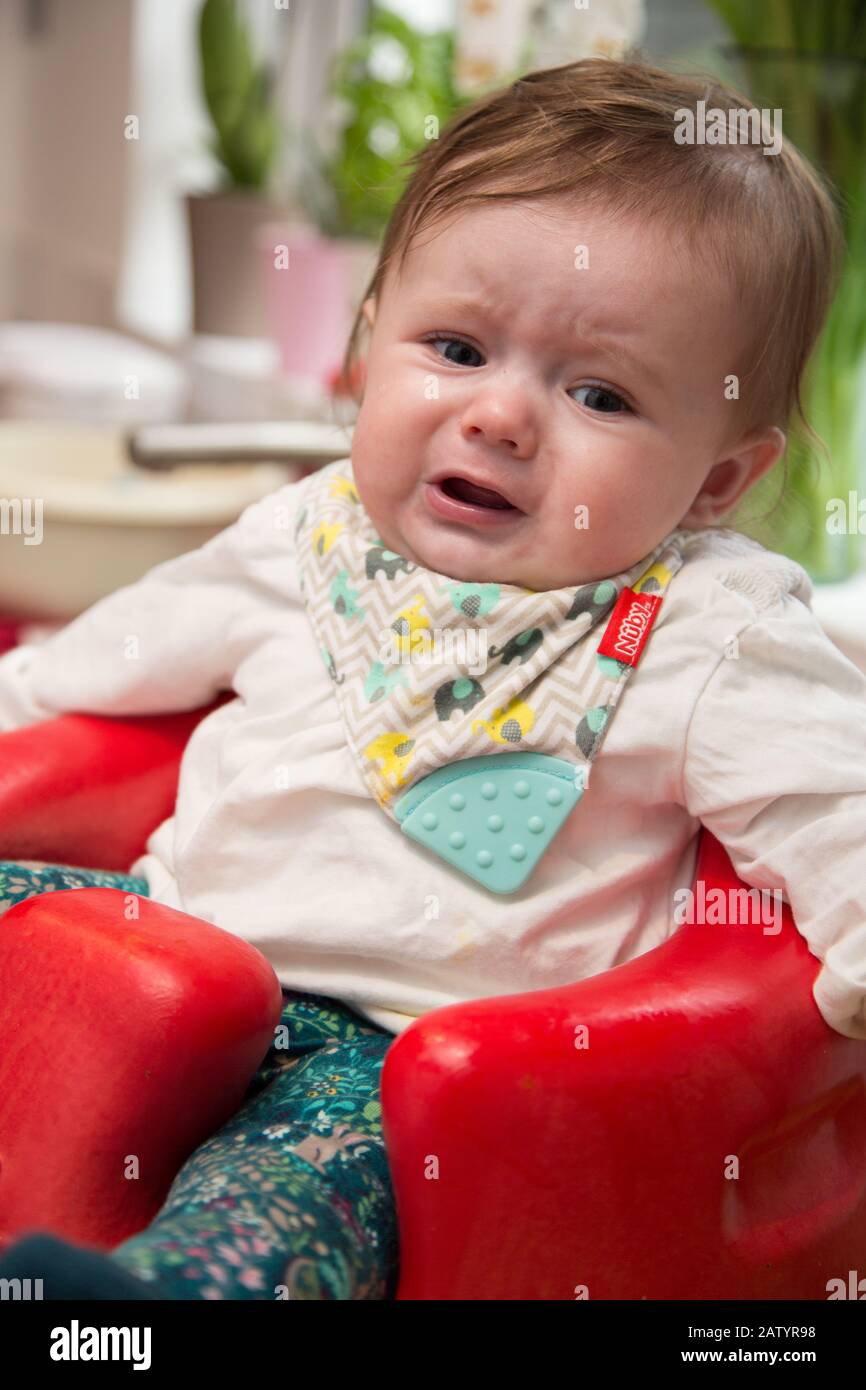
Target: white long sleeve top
(741,715)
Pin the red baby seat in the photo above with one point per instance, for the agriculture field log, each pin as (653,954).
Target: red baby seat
(708,1143)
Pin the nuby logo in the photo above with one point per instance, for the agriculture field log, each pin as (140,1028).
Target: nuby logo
(633,628)
(630,622)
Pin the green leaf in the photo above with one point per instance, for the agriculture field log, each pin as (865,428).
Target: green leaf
(237,92)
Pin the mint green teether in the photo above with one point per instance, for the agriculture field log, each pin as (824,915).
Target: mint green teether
(492,817)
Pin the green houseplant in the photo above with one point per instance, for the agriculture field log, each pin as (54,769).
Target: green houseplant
(808,58)
(391,87)
(394,84)
(238,92)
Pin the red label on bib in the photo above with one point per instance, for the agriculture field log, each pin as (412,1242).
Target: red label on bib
(629,626)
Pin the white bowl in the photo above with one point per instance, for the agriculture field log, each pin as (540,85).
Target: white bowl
(104,523)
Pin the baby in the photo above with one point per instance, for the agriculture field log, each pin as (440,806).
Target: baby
(586,340)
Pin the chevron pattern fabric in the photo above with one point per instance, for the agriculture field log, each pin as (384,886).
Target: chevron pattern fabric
(429,670)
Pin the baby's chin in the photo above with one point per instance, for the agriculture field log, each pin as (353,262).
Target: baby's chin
(472,560)
(471,556)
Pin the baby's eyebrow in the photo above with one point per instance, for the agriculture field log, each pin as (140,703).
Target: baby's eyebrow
(454,300)
(611,346)
(590,335)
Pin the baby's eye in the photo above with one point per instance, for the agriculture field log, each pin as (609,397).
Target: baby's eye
(462,347)
(603,400)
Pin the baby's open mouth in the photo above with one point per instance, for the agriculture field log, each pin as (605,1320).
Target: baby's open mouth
(464,491)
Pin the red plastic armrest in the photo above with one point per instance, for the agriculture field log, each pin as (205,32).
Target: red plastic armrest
(129,1034)
(578,1141)
(90,789)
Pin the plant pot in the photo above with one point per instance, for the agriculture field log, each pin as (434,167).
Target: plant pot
(362,254)
(313,285)
(226,277)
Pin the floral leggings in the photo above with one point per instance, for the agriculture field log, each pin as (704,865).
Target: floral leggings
(292,1198)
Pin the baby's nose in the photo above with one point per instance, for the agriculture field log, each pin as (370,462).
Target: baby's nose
(490,436)
(505,419)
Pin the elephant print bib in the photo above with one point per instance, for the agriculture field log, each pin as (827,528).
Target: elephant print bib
(474,710)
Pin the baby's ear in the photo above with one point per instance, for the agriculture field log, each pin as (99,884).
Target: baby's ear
(369,310)
(732,477)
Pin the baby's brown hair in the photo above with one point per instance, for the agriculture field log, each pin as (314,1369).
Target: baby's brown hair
(602,132)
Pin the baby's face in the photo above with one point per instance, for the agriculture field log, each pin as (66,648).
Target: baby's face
(590,397)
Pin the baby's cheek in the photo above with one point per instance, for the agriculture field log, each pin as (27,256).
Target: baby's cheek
(578,508)
(588,531)
(378,466)
(383,428)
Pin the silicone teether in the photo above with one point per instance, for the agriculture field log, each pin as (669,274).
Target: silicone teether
(492,817)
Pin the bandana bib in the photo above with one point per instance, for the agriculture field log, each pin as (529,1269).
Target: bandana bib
(474,710)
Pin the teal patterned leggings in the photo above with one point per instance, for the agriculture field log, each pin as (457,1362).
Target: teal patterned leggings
(292,1198)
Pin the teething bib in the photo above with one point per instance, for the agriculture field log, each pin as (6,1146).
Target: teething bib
(474,710)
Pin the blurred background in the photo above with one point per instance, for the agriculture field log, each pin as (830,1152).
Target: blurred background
(193,192)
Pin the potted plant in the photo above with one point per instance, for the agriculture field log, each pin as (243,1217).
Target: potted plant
(392,83)
(809,60)
(385,87)
(239,94)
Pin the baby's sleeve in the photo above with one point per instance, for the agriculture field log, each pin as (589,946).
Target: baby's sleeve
(775,767)
(171,641)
